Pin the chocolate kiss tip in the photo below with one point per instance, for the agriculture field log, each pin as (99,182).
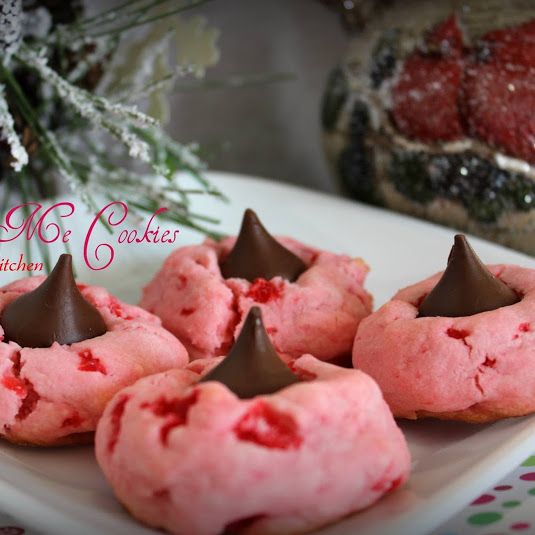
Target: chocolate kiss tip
(257,254)
(253,367)
(466,287)
(55,311)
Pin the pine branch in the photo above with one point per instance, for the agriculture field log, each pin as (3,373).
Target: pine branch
(120,13)
(84,164)
(47,139)
(103,48)
(10,136)
(235,81)
(94,108)
(146,191)
(115,13)
(146,90)
(137,23)
(179,158)
(85,102)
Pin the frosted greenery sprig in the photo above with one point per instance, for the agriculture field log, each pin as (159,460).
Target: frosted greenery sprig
(65,57)
(9,135)
(52,148)
(69,96)
(147,12)
(97,110)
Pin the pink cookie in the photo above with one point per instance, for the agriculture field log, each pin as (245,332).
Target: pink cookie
(475,368)
(191,457)
(55,395)
(318,313)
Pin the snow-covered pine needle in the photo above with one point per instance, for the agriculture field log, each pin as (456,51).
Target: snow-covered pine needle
(103,48)
(10,136)
(137,148)
(84,101)
(46,138)
(62,55)
(117,13)
(95,109)
(147,89)
(137,21)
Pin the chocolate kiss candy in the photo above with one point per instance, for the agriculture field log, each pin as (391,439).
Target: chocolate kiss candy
(54,312)
(257,254)
(467,287)
(252,367)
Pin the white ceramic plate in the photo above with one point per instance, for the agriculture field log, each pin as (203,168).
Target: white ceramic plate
(61,491)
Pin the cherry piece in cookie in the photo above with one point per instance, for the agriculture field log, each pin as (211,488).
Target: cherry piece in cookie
(256,254)
(252,367)
(55,311)
(467,287)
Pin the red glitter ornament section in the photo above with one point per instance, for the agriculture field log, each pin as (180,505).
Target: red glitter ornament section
(446,38)
(268,427)
(446,90)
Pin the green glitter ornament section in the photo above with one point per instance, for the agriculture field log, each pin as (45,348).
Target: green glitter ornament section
(484,519)
(485,190)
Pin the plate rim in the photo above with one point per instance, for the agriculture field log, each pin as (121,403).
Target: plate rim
(518,447)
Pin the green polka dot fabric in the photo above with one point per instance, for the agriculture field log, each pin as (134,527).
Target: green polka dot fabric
(507,508)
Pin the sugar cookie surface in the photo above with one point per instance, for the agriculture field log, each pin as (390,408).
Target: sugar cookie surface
(191,457)
(56,395)
(318,313)
(476,368)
